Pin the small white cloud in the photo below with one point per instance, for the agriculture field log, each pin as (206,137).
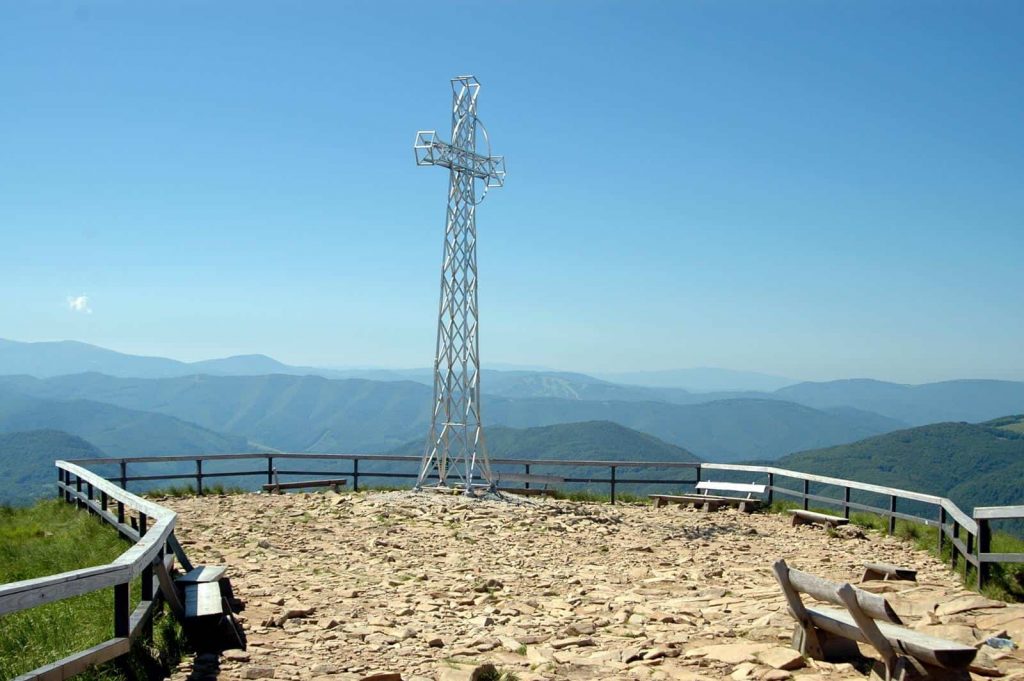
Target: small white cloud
(79,304)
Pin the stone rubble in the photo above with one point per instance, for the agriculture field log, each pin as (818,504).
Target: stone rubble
(424,587)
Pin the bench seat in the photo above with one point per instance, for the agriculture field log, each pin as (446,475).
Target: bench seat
(301,484)
(935,651)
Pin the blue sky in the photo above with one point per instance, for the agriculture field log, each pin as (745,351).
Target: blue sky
(812,189)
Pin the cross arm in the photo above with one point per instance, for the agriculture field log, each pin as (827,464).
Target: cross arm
(431,151)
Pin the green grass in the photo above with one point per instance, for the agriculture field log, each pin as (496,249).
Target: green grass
(1006,582)
(190,491)
(588,496)
(52,537)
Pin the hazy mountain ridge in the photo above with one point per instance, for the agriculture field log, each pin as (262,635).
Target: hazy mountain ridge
(116,430)
(310,413)
(961,400)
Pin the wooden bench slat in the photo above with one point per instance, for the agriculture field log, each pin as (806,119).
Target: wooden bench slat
(929,649)
(732,486)
(203,599)
(887,571)
(203,573)
(330,482)
(801,516)
(874,605)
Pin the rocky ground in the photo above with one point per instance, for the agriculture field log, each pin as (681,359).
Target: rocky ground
(428,587)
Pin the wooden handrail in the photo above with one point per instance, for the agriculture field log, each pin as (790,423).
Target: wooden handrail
(30,593)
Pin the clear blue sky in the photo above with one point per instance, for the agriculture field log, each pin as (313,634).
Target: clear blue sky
(813,189)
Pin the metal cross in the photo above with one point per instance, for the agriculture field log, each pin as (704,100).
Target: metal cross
(455,446)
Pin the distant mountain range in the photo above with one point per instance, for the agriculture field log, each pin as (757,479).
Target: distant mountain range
(129,405)
(311,413)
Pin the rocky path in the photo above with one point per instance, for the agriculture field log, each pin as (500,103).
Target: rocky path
(342,587)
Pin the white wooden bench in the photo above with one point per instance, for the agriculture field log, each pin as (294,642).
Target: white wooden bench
(802,517)
(887,572)
(831,634)
(712,502)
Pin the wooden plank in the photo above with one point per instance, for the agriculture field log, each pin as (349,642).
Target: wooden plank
(873,605)
(202,600)
(167,588)
(1002,557)
(142,614)
(732,486)
(802,516)
(887,571)
(929,649)
(77,663)
(959,516)
(998,512)
(299,484)
(203,573)
(838,482)
(29,593)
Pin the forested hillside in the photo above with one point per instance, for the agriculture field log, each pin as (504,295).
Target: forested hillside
(973,464)
(26,459)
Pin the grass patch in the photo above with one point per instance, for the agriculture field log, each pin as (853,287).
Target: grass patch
(588,496)
(1006,582)
(178,491)
(51,537)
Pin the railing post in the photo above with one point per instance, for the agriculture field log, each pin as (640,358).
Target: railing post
(89,494)
(104,501)
(846,503)
(526,467)
(807,490)
(970,552)
(124,475)
(147,572)
(122,614)
(120,512)
(892,511)
(613,485)
(942,533)
(199,477)
(699,469)
(60,480)
(78,492)
(771,488)
(984,546)
(270,470)
(955,551)
(355,474)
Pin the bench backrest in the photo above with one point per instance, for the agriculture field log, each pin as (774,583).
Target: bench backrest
(872,605)
(749,488)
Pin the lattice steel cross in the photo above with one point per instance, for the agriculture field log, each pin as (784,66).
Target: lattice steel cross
(455,443)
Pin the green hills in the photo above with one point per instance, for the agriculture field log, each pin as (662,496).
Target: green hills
(593,440)
(26,459)
(972,464)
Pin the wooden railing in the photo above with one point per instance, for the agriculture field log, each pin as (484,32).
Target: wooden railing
(151,526)
(968,537)
(973,547)
(148,525)
(269,471)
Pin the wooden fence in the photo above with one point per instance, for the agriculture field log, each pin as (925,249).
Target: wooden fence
(151,527)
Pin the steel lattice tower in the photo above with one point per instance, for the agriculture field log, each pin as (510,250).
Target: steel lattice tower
(455,447)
